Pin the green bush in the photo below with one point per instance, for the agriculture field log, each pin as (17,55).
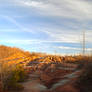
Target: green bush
(11,82)
(20,74)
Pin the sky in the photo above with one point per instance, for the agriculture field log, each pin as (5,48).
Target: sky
(51,26)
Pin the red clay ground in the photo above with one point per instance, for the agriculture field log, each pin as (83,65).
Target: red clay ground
(51,81)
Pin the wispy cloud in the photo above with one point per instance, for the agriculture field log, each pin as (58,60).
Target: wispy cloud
(72,48)
(65,8)
(12,20)
(27,42)
(68,35)
(35,4)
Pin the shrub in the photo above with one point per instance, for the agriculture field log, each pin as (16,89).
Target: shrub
(84,82)
(20,74)
(11,82)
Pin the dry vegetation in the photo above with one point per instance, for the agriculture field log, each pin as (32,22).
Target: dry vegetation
(11,59)
(17,65)
(84,81)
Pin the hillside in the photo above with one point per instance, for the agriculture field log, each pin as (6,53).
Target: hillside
(15,55)
(37,72)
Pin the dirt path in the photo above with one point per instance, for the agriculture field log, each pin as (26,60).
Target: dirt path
(33,86)
(68,78)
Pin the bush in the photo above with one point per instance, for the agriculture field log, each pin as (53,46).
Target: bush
(20,74)
(84,82)
(11,82)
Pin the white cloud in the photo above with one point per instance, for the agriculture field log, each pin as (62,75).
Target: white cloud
(67,35)
(78,9)
(60,35)
(72,48)
(34,4)
(68,48)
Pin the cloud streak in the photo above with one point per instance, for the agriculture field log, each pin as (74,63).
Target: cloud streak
(61,8)
(72,48)
(12,20)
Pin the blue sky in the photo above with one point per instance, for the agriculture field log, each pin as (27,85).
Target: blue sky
(46,25)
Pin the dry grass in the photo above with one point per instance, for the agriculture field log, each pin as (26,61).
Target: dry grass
(84,82)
